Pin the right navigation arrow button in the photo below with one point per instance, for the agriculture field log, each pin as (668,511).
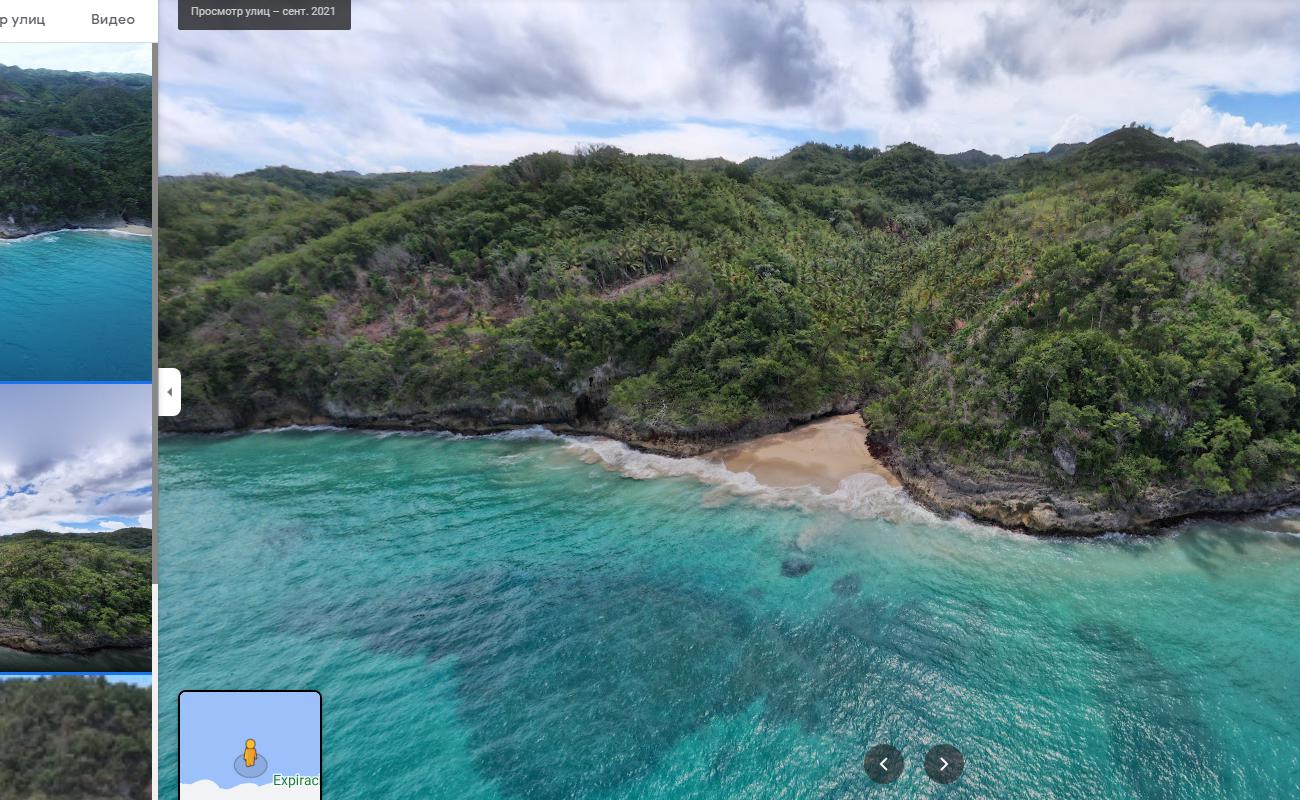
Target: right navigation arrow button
(944,763)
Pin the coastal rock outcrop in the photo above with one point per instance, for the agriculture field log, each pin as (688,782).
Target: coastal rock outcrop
(562,415)
(1035,504)
(31,641)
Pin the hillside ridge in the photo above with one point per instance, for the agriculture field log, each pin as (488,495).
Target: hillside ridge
(76,592)
(76,150)
(1150,285)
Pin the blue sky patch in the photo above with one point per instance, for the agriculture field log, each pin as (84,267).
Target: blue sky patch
(97,525)
(1267,109)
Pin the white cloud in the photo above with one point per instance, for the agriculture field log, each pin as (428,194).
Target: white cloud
(207,790)
(1207,126)
(193,129)
(74,454)
(1074,129)
(442,83)
(79,488)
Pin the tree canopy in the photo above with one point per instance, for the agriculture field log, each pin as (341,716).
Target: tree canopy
(82,589)
(74,146)
(1108,317)
(74,738)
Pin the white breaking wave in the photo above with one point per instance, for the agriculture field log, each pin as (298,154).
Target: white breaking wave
(1288,514)
(518,434)
(869,496)
(310,428)
(389,433)
(50,236)
(863,496)
(644,466)
(1279,522)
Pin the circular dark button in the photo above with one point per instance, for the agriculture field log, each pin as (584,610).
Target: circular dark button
(883,763)
(944,763)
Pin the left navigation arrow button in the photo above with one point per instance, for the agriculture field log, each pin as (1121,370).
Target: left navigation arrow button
(884,763)
(169,392)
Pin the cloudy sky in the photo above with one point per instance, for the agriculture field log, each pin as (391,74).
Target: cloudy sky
(430,84)
(75,457)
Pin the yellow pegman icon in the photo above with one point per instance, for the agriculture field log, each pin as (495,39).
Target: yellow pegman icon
(250,753)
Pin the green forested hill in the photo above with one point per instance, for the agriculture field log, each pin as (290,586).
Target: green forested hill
(1115,333)
(73,147)
(72,592)
(1114,324)
(220,224)
(74,738)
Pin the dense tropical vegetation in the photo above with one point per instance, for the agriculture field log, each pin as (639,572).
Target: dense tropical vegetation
(1125,328)
(74,738)
(1106,318)
(75,591)
(74,147)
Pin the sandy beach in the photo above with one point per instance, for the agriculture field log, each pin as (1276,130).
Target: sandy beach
(819,454)
(138,230)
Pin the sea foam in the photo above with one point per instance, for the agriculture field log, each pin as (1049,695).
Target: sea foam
(862,496)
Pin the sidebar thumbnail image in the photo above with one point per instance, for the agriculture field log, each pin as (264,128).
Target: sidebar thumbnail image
(76,491)
(75,736)
(76,186)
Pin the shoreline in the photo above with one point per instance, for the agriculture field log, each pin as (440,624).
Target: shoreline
(17,640)
(1028,504)
(91,652)
(770,453)
(129,229)
(821,454)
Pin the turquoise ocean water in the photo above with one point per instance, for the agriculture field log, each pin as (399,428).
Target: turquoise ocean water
(517,617)
(76,306)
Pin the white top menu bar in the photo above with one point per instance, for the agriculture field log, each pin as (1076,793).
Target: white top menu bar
(78,21)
